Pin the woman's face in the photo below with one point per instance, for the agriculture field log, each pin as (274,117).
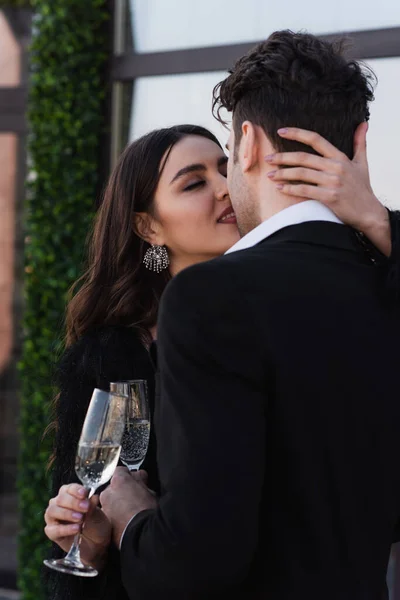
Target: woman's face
(193,211)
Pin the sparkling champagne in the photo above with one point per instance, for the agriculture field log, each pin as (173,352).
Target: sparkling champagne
(135,442)
(96,458)
(96,462)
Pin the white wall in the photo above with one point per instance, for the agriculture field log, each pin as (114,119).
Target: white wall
(168,24)
(172,99)
(384,131)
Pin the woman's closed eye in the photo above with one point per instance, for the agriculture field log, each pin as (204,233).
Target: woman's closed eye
(193,186)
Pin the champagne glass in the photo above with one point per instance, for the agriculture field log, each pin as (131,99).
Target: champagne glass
(135,440)
(97,456)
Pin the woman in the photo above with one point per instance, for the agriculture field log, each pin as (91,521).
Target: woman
(166,207)
(168,178)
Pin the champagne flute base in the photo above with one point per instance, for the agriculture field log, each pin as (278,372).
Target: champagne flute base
(71,568)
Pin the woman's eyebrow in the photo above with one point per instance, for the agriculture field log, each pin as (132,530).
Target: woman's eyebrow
(197,167)
(188,169)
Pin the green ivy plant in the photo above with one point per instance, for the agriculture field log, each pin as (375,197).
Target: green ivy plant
(66,118)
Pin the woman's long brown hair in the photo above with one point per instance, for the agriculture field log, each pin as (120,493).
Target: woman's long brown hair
(116,288)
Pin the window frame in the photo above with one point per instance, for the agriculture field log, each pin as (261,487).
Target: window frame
(367,44)
(127,67)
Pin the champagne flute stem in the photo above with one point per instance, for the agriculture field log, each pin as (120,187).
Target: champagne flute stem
(74,555)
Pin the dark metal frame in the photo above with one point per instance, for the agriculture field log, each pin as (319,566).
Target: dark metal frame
(13,102)
(369,44)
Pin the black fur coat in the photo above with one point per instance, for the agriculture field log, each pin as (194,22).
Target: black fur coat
(104,355)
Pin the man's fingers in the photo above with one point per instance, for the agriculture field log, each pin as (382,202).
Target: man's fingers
(326,195)
(305,175)
(360,143)
(142,475)
(310,138)
(58,532)
(123,472)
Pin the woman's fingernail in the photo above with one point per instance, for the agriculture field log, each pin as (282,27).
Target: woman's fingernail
(269,158)
(271,174)
(84,504)
(282,131)
(81,492)
(75,527)
(279,186)
(76,515)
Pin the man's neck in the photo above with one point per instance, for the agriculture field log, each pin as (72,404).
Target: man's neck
(294,214)
(275,204)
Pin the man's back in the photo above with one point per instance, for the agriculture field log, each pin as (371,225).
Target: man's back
(277,427)
(327,342)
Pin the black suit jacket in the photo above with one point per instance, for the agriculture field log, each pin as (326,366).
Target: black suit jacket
(278,427)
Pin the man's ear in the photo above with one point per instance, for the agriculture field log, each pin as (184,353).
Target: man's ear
(248,146)
(147,228)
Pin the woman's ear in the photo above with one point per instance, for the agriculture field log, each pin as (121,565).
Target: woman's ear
(147,228)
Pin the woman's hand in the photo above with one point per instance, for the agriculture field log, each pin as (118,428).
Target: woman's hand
(64,516)
(332,178)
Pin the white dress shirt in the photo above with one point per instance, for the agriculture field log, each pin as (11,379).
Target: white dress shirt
(309,210)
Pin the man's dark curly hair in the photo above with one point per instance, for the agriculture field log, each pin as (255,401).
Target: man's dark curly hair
(297,80)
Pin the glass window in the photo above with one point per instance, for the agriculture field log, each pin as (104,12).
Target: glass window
(384,131)
(161,25)
(170,100)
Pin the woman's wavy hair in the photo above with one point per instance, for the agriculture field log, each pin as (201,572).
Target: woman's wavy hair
(116,288)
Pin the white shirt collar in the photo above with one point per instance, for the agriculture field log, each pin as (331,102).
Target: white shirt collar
(309,210)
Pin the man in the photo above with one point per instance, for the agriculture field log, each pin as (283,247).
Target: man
(278,420)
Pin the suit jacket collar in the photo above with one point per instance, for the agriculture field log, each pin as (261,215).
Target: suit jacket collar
(330,235)
(309,210)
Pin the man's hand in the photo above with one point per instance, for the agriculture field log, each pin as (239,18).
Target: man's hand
(126,496)
(64,516)
(334,179)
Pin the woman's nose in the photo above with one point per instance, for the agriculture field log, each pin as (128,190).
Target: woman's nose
(222,190)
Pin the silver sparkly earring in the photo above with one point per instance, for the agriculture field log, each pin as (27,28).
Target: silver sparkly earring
(156,258)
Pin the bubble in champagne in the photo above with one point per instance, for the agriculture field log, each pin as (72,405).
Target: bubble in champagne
(135,442)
